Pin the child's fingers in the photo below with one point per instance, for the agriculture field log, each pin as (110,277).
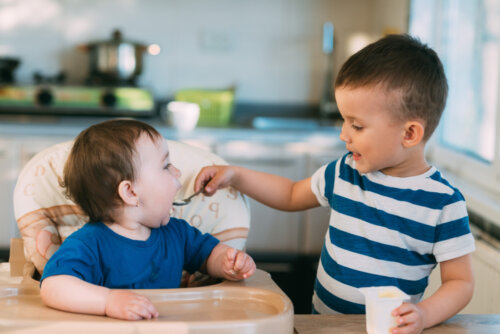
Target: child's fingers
(239,261)
(216,181)
(244,265)
(203,177)
(145,308)
(408,319)
(142,312)
(403,309)
(229,262)
(251,269)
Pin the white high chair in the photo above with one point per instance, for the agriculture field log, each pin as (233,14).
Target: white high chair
(45,216)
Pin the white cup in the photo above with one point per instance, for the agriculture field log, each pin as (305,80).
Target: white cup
(380,302)
(183,115)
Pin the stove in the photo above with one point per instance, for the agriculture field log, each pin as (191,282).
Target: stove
(49,99)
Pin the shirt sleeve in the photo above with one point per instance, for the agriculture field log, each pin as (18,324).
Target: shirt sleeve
(197,247)
(453,235)
(74,258)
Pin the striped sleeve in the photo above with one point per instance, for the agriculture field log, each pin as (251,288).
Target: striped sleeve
(322,183)
(452,234)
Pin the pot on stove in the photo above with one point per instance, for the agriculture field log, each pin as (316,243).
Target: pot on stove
(116,61)
(7,67)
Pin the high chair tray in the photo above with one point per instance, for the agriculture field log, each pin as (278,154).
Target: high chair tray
(255,305)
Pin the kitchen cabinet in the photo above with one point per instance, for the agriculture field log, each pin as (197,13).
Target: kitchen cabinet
(8,174)
(316,220)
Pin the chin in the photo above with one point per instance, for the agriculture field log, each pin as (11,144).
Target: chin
(165,221)
(364,169)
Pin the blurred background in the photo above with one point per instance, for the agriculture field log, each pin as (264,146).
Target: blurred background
(271,51)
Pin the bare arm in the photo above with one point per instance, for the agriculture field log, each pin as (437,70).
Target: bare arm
(272,190)
(69,293)
(453,295)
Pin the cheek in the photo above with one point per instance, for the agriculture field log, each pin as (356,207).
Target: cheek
(172,186)
(177,183)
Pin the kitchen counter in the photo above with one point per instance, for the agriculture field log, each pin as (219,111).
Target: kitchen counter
(70,126)
(343,324)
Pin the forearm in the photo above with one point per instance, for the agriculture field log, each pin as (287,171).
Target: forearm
(212,266)
(273,190)
(447,301)
(71,294)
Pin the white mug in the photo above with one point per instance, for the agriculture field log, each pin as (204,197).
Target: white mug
(183,115)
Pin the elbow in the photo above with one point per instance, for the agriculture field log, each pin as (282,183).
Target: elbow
(469,288)
(48,292)
(44,293)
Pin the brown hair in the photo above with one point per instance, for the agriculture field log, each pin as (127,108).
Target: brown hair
(102,156)
(403,65)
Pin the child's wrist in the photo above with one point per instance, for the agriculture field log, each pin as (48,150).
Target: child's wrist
(107,297)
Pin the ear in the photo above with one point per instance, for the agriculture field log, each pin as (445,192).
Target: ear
(413,133)
(127,193)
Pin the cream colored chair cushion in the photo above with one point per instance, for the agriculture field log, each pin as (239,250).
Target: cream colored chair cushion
(45,216)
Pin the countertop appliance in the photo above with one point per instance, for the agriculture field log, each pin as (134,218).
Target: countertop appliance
(76,100)
(109,90)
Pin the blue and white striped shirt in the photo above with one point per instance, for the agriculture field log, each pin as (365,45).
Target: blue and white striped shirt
(384,230)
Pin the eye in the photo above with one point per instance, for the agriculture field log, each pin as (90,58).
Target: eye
(168,166)
(357,127)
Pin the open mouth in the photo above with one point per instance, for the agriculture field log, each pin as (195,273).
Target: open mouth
(356,156)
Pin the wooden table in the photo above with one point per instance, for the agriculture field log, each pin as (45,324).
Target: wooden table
(348,323)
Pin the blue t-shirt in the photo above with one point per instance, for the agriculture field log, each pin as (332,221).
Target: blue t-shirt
(102,257)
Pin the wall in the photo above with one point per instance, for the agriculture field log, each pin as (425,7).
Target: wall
(270,49)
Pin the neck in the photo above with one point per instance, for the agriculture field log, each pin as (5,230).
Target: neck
(129,229)
(412,165)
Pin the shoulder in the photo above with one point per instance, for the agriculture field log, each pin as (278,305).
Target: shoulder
(441,184)
(176,226)
(89,236)
(88,230)
(441,192)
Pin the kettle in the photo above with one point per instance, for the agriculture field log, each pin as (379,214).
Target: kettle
(116,60)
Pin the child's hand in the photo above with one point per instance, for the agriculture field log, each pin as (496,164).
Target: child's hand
(126,305)
(213,178)
(409,318)
(237,265)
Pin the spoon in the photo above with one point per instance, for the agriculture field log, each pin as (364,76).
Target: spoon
(188,199)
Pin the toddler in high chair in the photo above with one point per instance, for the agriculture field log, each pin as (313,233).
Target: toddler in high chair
(119,172)
(393,216)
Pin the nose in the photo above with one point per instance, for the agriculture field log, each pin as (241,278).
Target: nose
(176,171)
(343,134)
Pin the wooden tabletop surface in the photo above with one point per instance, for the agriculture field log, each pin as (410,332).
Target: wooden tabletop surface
(349,323)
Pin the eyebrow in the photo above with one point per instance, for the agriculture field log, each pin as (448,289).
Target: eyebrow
(350,118)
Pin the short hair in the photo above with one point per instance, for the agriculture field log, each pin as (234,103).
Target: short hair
(401,64)
(102,156)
